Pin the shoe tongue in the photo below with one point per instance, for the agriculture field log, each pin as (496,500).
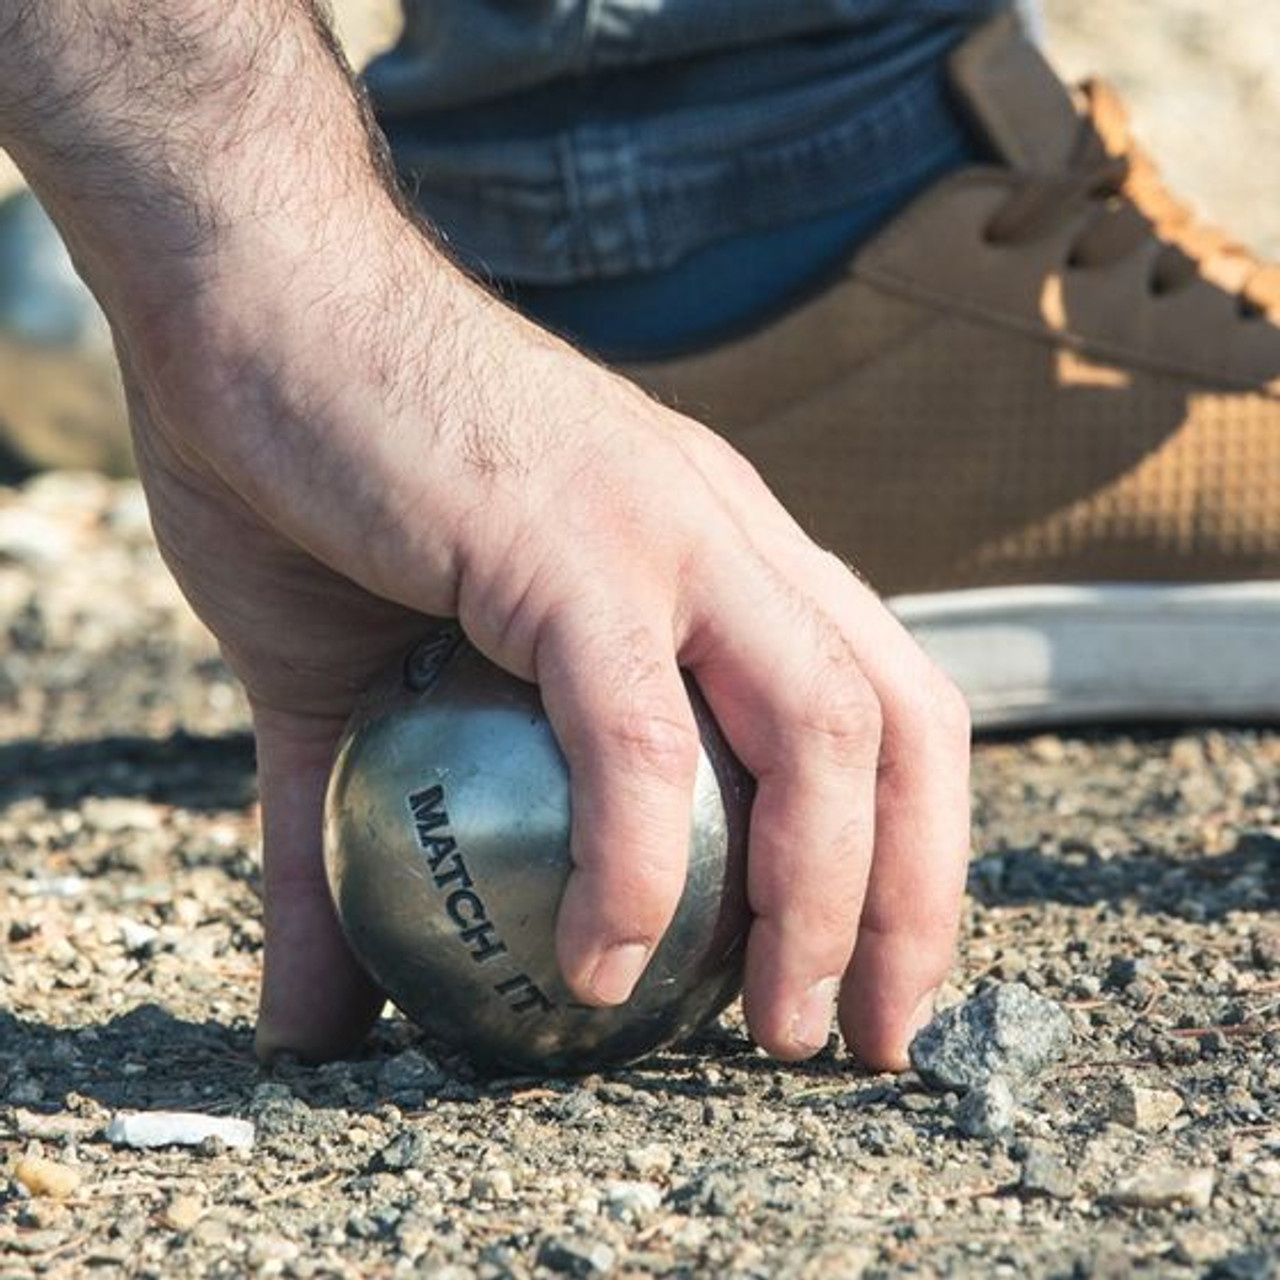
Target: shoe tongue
(1025,111)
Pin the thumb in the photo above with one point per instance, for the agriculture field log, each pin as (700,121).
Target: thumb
(315,1000)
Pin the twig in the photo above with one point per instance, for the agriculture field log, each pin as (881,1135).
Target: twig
(532,1095)
(286,1193)
(1228,1029)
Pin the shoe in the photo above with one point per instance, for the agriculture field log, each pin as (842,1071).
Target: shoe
(1040,411)
(61,402)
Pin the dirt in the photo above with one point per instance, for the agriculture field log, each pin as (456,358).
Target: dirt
(1131,877)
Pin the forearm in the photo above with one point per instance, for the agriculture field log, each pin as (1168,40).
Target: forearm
(164,136)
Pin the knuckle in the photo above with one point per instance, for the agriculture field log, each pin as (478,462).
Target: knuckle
(656,745)
(843,714)
(930,709)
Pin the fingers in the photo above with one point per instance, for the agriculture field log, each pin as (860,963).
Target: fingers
(907,933)
(789,695)
(315,1000)
(911,911)
(620,712)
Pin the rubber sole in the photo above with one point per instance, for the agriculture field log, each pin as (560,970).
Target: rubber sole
(1042,656)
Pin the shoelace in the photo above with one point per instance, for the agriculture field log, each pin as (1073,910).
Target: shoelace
(1109,170)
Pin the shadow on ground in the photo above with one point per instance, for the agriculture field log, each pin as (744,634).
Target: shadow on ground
(1201,888)
(190,772)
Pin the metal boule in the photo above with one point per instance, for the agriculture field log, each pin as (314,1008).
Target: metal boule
(447,851)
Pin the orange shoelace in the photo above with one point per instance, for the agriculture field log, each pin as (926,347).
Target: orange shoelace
(1110,172)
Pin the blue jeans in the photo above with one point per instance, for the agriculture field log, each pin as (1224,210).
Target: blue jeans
(558,141)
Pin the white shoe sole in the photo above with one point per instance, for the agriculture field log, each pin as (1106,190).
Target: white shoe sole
(1040,656)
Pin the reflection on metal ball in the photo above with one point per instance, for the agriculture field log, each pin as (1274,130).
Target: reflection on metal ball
(447,848)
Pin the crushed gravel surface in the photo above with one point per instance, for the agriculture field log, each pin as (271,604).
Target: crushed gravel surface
(1129,880)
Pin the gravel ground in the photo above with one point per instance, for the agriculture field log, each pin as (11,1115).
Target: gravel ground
(1133,879)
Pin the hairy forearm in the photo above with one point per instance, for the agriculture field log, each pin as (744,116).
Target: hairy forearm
(158,132)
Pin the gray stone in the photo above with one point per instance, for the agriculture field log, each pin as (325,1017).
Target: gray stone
(1008,1030)
(410,1070)
(576,1256)
(987,1110)
(1044,1174)
(408,1150)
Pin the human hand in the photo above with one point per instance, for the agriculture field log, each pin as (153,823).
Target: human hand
(339,435)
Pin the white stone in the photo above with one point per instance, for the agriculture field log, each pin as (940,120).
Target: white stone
(177,1129)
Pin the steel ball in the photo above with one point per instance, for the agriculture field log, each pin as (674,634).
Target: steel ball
(447,851)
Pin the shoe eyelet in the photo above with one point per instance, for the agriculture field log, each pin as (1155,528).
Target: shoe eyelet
(1248,310)
(989,236)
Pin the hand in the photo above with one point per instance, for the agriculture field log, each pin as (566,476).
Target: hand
(338,435)
(315,496)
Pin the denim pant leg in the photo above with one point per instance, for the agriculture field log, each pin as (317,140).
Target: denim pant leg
(570,140)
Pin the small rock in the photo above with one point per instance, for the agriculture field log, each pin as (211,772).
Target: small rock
(1124,971)
(410,1070)
(1044,1174)
(182,1213)
(987,1110)
(1245,1265)
(576,1256)
(44,1177)
(836,1262)
(1197,1245)
(1146,1110)
(631,1200)
(1167,1188)
(650,1161)
(135,936)
(269,1255)
(115,815)
(1008,1030)
(493,1184)
(1266,948)
(408,1150)
(141,1129)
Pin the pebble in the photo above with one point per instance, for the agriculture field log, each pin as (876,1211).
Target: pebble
(141,1129)
(270,1255)
(1044,1174)
(1198,1245)
(631,1200)
(1266,948)
(1008,1030)
(44,1177)
(493,1184)
(987,1110)
(1143,1109)
(649,1161)
(410,1149)
(410,1070)
(1153,1188)
(182,1212)
(576,1256)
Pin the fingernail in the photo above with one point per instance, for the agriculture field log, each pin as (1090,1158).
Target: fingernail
(617,972)
(812,1022)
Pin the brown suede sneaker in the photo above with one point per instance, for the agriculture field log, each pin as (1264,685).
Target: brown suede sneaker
(1040,411)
